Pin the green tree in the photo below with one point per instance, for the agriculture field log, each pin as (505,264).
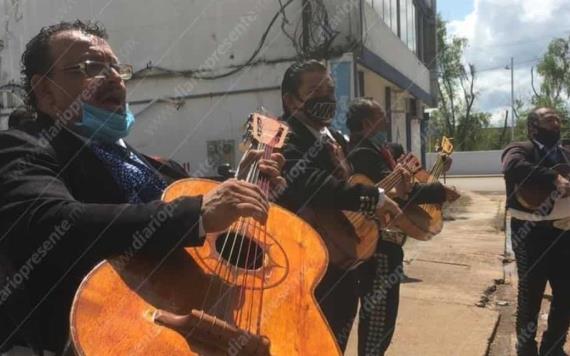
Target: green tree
(455,116)
(554,69)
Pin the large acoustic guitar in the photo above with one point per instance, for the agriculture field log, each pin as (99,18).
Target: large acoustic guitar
(246,291)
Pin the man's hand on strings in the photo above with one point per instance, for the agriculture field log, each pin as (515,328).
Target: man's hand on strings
(562,185)
(270,168)
(229,201)
(404,187)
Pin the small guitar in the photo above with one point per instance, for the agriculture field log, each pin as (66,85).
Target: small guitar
(424,221)
(535,197)
(366,227)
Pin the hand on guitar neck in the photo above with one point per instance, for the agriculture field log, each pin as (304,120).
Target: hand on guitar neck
(562,185)
(271,168)
(405,184)
(234,198)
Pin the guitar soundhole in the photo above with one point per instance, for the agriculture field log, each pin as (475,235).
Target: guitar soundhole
(240,251)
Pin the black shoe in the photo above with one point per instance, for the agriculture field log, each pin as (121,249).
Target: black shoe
(527,349)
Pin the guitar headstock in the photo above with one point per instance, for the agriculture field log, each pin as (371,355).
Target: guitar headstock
(445,148)
(410,163)
(265,129)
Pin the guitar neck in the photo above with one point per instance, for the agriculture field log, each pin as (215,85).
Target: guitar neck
(437,168)
(390,181)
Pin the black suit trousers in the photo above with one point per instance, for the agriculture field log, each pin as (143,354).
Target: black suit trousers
(542,255)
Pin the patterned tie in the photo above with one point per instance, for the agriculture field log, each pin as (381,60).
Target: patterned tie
(139,183)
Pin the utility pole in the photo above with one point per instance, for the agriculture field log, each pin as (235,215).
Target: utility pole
(512,99)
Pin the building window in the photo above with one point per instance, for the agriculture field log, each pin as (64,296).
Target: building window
(404,20)
(411,16)
(394,16)
(400,17)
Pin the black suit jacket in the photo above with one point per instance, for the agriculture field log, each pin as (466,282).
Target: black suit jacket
(61,213)
(366,159)
(309,170)
(525,164)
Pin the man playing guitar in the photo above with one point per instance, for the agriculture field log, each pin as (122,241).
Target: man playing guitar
(316,171)
(379,294)
(542,248)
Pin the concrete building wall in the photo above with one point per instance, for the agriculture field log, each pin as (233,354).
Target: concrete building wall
(184,133)
(178,35)
(375,86)
(416,137)
(210,37)
(171,42)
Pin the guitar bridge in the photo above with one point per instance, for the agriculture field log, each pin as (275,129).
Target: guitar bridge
(209,330)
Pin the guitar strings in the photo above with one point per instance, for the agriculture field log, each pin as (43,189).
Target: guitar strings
(240,230)
(435,173)
(255,178)
(265,188)
(253,223)
(220,264)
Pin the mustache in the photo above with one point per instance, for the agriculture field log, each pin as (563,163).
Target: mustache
(109,92)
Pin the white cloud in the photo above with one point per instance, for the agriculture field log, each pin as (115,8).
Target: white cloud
(500,29)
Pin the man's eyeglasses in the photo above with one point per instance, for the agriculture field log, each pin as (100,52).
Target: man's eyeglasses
(100,70)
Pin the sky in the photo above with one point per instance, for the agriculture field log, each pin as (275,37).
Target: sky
(498,30)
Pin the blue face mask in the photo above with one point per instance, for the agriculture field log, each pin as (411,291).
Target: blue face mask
(379,138)
(105,126)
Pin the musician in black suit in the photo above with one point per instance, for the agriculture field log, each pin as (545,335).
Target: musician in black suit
(316,171)
(380,277)
(542,250)
(73,193)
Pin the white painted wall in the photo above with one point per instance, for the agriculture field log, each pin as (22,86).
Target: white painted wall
(180,35)
(416,137)
(471,163)
(210,36)
(382,41)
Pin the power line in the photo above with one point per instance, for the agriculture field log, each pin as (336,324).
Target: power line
(490,69)
(511,44)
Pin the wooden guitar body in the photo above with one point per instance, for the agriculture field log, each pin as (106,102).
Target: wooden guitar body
(189,304)
(366,228)
(424,221)
(533,197)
